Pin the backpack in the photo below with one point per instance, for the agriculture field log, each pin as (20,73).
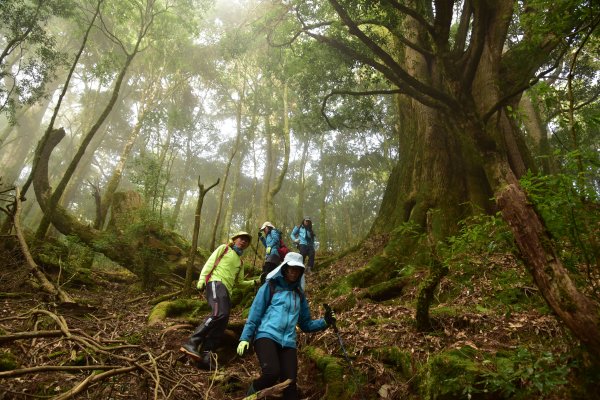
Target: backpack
(283,249)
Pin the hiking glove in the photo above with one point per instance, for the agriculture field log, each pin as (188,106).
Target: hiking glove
(330,318)
(242,347)
(201,284)
(269,250)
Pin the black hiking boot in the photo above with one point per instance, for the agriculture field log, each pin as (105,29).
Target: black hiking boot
(206,361)
(191,351)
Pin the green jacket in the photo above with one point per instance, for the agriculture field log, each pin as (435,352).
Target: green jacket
(228,271)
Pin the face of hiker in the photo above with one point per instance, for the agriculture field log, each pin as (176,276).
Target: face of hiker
(292,273)
(241,242)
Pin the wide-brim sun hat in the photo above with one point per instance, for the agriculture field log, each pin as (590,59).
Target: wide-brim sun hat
(293,259)
(267,223)
(241,233)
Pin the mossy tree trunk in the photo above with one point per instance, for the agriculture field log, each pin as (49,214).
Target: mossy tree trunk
(187,287)
(458,143)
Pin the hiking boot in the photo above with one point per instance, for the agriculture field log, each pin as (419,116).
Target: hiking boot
(205,361)
(191,351)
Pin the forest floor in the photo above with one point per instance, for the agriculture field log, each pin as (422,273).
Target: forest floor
(109,327)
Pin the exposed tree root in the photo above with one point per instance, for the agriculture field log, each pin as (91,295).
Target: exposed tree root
(47,286)
(121,358)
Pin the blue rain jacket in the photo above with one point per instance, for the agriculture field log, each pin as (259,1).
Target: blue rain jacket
(275,317)
(271,240)
(303,234)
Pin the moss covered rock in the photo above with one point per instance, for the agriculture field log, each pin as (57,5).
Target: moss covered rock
(176,308)
(397,358)
(332,374)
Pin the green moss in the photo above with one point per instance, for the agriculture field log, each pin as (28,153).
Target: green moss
(8,361)
(332,373)
(57,354)
(386,290)
(399,359)
(134,338)
(449,375)
(176,308)
(445,311)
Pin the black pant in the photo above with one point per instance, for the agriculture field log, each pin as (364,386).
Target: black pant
(307,251)
(277,364)
(213,328)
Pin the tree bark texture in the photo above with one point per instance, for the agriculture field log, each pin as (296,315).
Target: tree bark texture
(458,142)
(124,250)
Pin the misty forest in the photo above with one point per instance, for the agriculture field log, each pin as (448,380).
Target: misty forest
(446,152)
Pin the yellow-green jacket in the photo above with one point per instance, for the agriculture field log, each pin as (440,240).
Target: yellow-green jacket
(229,271)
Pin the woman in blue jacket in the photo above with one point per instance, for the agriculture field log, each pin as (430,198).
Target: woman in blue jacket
(271,241)
(304,236)
(278,307)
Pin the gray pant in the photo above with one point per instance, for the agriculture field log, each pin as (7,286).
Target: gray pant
(212,329)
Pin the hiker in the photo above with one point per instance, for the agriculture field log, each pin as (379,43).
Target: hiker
(220,273)
(271,241)
(278,307)
(304,237)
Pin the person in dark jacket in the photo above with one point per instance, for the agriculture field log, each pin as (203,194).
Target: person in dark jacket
(304,236)
(276,310)
(270,238)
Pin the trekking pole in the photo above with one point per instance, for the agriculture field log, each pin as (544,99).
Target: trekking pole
(337,332)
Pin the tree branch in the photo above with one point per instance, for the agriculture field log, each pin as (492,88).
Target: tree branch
(352,93)
(413,14)
(400,74)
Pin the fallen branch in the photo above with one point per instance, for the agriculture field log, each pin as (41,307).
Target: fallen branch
(164,297)
(270,391)
(46,368)
(92,379)
(30,335)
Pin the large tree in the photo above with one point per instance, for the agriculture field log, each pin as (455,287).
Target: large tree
(458,69)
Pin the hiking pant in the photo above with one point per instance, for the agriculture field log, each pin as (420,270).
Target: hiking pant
(307,251)
(277,364)
(213,328)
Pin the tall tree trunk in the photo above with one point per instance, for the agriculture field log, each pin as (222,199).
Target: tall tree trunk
(302,181)
(50,127)
(187,287)
(183,180)
(57,194)
(165,149)
(232,154)
(115,179)
(537,130)
(325,231)
(267,172)
(226,227)
(285,138)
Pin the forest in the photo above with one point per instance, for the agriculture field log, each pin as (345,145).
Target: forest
(447,153)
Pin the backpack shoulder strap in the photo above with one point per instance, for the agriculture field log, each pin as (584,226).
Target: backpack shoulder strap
(272,289)
(217,261)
